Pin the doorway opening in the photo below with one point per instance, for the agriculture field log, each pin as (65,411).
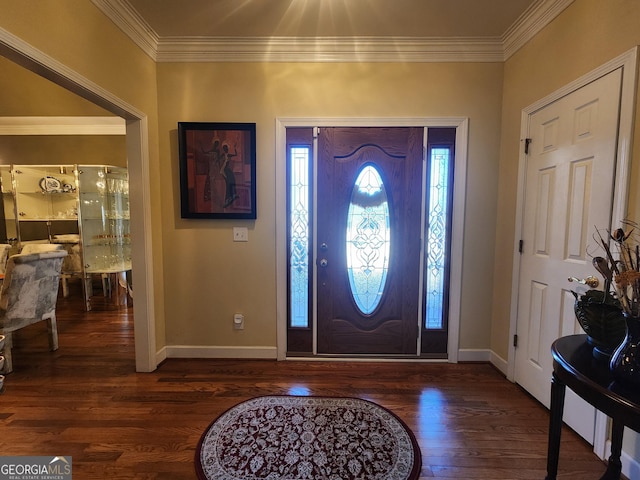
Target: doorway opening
(23,54)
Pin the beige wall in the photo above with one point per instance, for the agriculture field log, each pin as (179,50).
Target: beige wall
(63,150)
(215,277)
(202,277)
(586,35)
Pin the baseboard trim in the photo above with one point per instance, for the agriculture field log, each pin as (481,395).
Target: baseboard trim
(208,351)
(630,466)
(474,355)
(499,362)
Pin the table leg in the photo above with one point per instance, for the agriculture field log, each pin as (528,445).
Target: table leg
(555,426)
(615,465)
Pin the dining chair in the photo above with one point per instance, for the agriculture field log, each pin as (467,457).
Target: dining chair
(29,294)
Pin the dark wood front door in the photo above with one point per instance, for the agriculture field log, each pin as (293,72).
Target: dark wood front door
(384,318)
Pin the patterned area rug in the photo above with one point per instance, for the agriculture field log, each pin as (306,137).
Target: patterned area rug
(295,438)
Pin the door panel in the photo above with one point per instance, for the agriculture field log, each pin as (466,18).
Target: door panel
(392,327)
(569,191)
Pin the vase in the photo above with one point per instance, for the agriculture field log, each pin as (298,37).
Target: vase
(625,361)
(600,316)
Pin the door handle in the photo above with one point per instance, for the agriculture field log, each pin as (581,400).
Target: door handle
(591,281)
(324,262)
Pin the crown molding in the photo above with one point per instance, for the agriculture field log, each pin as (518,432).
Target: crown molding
(532,21)
(62,126)
(331,49)
(131,23)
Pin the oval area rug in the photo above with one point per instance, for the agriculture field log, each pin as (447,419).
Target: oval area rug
(296,438)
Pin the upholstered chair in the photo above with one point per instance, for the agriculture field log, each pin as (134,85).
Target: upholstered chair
(29,295)
(72,264)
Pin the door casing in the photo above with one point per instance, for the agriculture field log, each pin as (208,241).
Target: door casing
(461,125)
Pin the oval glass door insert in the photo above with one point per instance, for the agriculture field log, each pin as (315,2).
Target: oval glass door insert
(368,239)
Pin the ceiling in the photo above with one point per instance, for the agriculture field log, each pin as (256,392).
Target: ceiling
(327,18)
(331,30)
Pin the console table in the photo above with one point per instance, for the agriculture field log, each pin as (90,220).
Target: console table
(575,367)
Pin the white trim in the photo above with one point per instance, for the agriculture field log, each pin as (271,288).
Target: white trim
(538,16)
(630,465)
(628,62)
(330,49)
(141,246)
(600,435)
(213,351)
(457,244)
(281,238)
(62,126)
(24,54)
(499,362)
(474,355)
(457,236)
(131,23)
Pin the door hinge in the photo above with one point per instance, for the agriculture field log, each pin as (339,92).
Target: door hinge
(520,246)
(316,132)
(515,340)
(527,141)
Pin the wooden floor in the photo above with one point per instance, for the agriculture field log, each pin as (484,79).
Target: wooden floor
(86,401)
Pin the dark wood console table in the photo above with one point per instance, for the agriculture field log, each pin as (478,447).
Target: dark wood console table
(575,367)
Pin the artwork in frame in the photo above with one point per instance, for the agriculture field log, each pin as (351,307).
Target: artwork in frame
(217,169)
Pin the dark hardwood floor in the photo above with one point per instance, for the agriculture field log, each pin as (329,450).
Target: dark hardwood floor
(86,401)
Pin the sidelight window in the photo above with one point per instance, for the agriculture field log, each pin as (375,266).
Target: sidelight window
(299,239)
(437,236)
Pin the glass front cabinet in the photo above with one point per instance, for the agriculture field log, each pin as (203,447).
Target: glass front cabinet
(45,201)
(83,207)
(104,218)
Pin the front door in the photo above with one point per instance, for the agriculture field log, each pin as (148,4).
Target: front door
(569,192)
(369,200)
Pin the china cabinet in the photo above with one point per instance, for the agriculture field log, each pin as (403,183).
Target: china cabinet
(83,207)
(104,229)
(45,199)
(104,218)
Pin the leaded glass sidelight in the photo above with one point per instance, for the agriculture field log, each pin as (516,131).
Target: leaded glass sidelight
(368,239)
(438,217)
(299,237)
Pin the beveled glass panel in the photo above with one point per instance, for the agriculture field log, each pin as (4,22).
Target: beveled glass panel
(299,214)
(368,239)
(436,254)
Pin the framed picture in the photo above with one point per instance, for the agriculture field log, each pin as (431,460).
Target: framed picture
(217,169)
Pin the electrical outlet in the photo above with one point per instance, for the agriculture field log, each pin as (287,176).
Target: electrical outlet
(240,234)
(238,321)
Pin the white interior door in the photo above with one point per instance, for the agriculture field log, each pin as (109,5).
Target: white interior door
(568,193)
